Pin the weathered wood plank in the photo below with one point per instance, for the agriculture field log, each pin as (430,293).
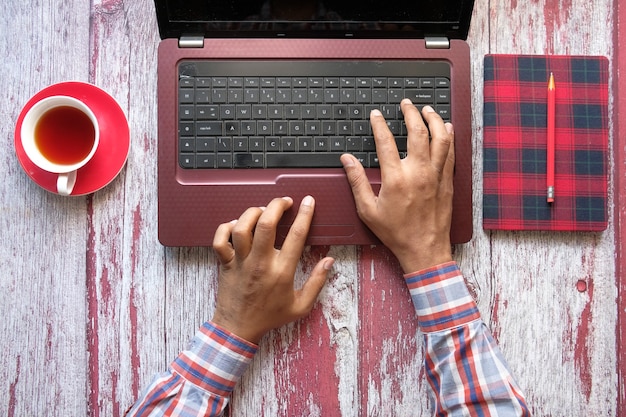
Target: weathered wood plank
(619,87)
(391,353)
(560,341)
(42,256)
(126,265)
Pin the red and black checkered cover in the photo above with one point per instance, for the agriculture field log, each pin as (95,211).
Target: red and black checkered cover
(514,147)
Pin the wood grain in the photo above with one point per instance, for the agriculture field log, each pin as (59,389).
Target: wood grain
(556,338)
(619,83)
(42,257)
(93,306)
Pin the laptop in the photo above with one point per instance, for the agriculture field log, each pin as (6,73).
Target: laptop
(257,99)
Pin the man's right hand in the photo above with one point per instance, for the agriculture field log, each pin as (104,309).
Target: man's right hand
(412,213)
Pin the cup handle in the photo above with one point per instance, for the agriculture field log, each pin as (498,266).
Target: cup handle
(65,183)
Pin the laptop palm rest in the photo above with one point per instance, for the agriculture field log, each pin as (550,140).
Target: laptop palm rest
(335,214)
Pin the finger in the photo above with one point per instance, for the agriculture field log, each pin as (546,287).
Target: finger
(221,242)
(441,139)
(299,230)
(243,230)
(386,147)
(448,169)
(266,225)
(417,132)
(311,289)
(364,197)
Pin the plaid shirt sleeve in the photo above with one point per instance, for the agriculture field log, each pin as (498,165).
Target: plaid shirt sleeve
(465,368)
(200,379)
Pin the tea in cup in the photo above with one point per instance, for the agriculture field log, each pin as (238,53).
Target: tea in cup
(60,134)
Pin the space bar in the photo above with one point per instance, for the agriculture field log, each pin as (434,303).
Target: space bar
(302,160)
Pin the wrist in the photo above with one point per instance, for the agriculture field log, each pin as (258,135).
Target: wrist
(234,327)
(417,258)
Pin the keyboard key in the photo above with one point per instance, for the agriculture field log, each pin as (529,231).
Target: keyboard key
(235,82)
(224,160)
(283,95)
(219,81)
(379,95)
(232,128)
(203,82)
(337,144)
(186,111)
(205,145)
(240,144)
(186,145)
(288,144)
(256,144)
(205,161)
(442,96)
(251,81)
(348,95)
(185,128)
(272,144)
(353,144)
(259,111)
(444,111)
(218,95)
(427,82)
(207,112)
(442,83)
(251,95)
(296,127)
(420,96)
(186,160)
(321,144)
(323,111)
(185,95)
(248,160)
(305,144)
(363,82)
(302,160)
(379,82)
(186,82)
(312,127)
(267,82)
(224,144)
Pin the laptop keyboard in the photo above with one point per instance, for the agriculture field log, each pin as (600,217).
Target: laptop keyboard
(297,114)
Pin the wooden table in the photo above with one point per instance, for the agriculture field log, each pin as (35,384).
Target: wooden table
(92,305)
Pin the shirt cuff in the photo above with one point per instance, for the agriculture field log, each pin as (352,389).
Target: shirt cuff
(441,298)
(215,359)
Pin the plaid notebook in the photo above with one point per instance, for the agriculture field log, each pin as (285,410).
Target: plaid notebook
(514,148)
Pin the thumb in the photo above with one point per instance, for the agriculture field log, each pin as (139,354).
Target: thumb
(361,187)
(309,292)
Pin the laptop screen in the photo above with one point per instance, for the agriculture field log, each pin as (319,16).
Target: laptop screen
(302,18)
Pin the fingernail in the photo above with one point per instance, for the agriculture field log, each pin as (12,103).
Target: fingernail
(329,264)
(428,109)
(407,101)
(307,201)
(347,161)
(449,128)
(376,113)
(233,221)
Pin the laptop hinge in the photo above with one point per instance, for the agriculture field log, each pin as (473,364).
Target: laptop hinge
(191,42)
(437,42)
